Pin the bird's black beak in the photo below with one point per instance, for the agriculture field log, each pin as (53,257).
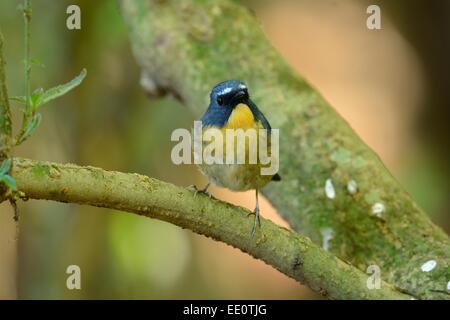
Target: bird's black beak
(239,95)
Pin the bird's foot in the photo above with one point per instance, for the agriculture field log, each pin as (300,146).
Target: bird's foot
(256,221)
(202,191)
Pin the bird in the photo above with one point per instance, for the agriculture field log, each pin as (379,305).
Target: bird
(230,107)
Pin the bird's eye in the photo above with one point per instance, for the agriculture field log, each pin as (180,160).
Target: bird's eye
(220,101)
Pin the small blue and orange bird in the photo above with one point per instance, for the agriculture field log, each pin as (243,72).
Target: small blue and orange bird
(231,108)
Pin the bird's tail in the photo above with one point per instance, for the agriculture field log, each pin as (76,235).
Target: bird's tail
(276,177)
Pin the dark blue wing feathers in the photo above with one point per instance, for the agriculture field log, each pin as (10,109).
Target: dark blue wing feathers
(259,115)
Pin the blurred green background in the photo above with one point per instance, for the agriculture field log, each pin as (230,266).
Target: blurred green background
(391,85)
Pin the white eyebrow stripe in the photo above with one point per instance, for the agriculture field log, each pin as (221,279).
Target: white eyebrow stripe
(242,86)
(225,91)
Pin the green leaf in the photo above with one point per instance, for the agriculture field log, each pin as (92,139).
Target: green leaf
(4,168)
(35,96)
(33,124)
(9,182)
(60,90)
(39,96)
(19,99)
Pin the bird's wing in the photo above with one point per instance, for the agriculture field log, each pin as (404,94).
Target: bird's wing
(260,116)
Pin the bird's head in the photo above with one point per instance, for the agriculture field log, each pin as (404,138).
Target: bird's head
(225,96)
(229,94)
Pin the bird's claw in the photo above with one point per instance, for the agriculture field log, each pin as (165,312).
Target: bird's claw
(202,191)
(256,221)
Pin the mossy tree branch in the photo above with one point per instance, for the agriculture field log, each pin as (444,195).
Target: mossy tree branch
(185,47)
(292,254)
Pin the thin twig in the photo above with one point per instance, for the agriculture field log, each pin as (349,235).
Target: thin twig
(5,111)
(27,13)
(13,203)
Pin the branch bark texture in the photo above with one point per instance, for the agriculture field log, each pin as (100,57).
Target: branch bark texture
(292,254)
(335,189)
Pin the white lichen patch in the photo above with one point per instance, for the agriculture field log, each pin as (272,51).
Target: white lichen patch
(378,209)
(329,189)
(327,235)
(352,187)
(147,83)
(428,266)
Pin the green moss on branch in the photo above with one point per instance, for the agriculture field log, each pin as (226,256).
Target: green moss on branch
(292,254)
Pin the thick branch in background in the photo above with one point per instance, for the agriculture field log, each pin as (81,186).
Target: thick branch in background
(334,186)
(292,254)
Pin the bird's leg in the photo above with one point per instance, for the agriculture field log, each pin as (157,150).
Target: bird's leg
(203,191)
(256,213)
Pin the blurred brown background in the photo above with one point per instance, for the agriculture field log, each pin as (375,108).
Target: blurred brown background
(391,85)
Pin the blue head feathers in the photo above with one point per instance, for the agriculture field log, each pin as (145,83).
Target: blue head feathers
(223,98)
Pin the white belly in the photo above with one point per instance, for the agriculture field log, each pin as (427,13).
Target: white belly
(236,177)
